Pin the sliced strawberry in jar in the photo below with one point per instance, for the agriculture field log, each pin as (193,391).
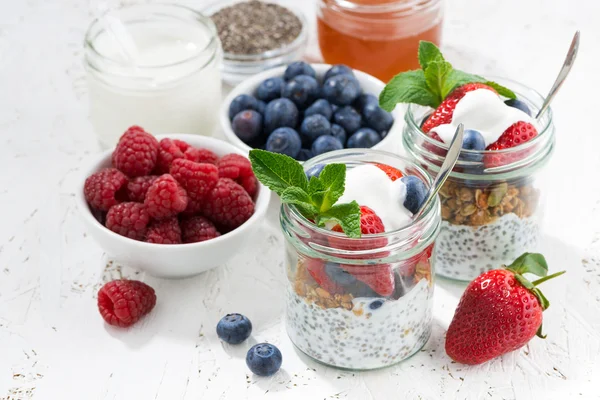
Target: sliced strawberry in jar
(393,173)
(379,277)
(316,269)
(517,134)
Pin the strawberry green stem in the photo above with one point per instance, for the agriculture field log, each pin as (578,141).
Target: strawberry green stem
(544,279)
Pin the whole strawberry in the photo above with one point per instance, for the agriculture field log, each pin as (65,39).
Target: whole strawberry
(500,311)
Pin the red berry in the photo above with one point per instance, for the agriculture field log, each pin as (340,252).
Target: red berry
(128,219)
(201,155)
(165,198)
(517,134)
(250,184)
(123,302)
(136,152)
(392,172)
(198,229)
(169,150)
(101,189)
(138,187)
(166,231)
(197,179)
(228,205)
(379,277)
(316,269)
(238,168)
(370,223)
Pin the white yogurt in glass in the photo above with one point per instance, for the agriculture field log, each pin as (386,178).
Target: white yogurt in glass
(171,83)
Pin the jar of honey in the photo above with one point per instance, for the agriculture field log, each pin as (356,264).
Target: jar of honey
(380,37)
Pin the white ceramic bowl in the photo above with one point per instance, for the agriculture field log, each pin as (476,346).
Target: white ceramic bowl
(369,84)
(178,260)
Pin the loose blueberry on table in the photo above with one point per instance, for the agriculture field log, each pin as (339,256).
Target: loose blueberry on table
(234,328)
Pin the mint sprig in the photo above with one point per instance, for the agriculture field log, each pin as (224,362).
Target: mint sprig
(314,199)
(431,84)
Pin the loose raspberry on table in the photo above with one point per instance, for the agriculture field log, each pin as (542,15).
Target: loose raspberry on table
(136,152)
(197,179)
(166,231)
(128,219)
(228,205)
(138,187)
(122,302)
(101,189)
(197,229)
(201,155)
(238,168)
(165,198)
(169,150)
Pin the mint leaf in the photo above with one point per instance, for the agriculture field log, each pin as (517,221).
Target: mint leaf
(502,91)
(347,215)
(428,52)
(301,199)
(407,87)
(533,263)
(332,180)
(436,76)
(277,171)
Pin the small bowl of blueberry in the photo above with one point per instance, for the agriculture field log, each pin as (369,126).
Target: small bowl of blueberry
(304,110)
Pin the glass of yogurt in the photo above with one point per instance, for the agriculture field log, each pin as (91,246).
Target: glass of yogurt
(492,201)
(362,303)
(158,68)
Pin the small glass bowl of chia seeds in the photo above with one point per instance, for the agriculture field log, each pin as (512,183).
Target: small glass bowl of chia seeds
(257,35)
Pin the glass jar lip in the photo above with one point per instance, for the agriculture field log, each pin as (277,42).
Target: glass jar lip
(201,18)
(400,6)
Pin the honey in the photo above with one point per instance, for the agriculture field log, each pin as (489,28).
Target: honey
(380,37)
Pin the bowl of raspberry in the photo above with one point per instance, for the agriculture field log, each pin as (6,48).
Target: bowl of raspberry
(173,205)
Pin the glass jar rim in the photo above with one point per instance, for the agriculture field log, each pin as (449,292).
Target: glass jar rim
(402,7)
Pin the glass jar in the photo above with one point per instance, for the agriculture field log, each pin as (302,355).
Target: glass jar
(168,82)
(334,315)
(491,203)
(380,37)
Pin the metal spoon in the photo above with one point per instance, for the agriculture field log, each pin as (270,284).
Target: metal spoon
(562,75)
(445,169)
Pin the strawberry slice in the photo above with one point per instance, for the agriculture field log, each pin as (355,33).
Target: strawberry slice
(316,269)
(518,133)
(378,277)
(392,172)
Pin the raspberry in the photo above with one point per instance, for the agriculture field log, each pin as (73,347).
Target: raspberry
(201,156)
(197,229)
(136,152)
(228,204)
(138,187)
(238,168)
(100,189)
(169,150)
(128,219)
(165,198)
(123,302)
(164,232)
(250,184)
(196,178)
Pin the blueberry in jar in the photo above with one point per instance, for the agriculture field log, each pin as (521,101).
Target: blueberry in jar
(270,89)
(264,359)
(339,133)
(375,304)
(472,140)
(315,171)
(338,69)
(377,118)
(325,144)
(298,68)
(284,141)
(341,89)
(280,113)
(363,138)
(348,118)
(321,107)
(364,100)
(521,105)
(415,193)
(241,103)
(337,274)
(314,126)
(302,90)
(234,328)
(247,125)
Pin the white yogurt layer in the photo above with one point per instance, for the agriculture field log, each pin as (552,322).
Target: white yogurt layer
(483,111)
(371,187)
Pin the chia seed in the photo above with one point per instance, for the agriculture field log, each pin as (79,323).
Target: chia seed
(253,27)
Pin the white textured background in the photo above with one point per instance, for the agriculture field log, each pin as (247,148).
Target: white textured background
(54,345)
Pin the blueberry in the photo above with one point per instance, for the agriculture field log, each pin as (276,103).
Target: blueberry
(363,100)
(315,171)
(341,89)
(270,89)
(304,155)
(377,118)
(334,108)
(241,103)
(264,359)
(521,105)
(280,113)
(363,138)
(284,141)
(321,107)
(314,126)
(234,328)
(302,90)
(472,140)
(376,304)
(247,125)
(338,69)
(348,118)
(324,144)
(298,68)
(339,133)
(340,276)
(415,193)
(260,106)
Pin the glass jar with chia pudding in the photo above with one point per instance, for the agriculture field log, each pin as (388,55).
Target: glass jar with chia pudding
(337,312)
(492,202)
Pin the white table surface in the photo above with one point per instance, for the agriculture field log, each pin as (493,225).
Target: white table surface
(54,344)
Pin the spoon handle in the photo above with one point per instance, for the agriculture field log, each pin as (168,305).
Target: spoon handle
(445,169)
(562,75)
